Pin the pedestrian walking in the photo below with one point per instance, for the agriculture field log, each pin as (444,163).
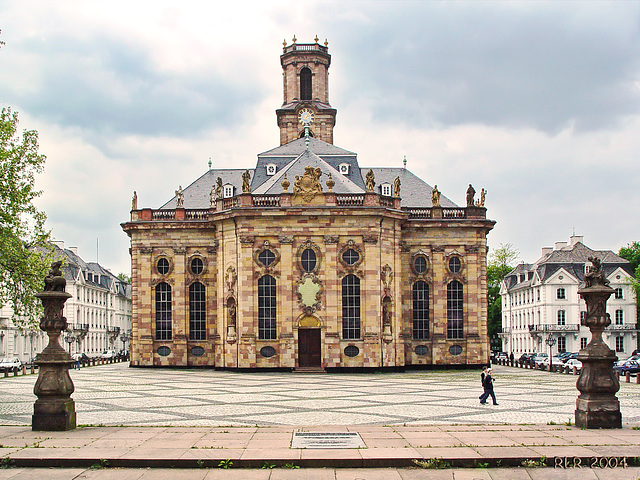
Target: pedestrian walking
(482,377)
(488,388)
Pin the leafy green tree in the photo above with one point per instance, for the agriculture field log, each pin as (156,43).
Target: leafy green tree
(632,253)
(501,261)
(124,277)
(24,248)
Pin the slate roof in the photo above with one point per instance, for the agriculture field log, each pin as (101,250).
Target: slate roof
(291,159)
(571,258)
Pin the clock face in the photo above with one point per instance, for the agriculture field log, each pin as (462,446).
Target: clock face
(305,116)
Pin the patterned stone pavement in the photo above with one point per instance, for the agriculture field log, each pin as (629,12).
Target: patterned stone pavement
(117,395)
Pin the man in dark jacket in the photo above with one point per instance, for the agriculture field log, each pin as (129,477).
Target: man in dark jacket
(488,388)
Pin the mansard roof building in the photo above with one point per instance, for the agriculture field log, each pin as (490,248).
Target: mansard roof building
(540,301)
(308,260)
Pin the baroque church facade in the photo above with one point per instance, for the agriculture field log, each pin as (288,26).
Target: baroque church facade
(309,261)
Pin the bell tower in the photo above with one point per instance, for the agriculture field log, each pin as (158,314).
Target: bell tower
(306,91)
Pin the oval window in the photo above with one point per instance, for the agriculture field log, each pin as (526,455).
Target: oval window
(163,266)
(164,351)
(267,351)
(420,264)
(421,350)
(351,351)
(455,265)
(350,256)
(197,351)
(266,257)
(197,266)
(455,349)
(308,260)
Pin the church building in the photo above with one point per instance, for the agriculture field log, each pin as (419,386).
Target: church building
(309,261)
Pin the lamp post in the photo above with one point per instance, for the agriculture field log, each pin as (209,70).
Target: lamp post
(551,342)
(69,339)
(124,338)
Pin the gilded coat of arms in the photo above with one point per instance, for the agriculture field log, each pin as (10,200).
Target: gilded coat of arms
(308,186)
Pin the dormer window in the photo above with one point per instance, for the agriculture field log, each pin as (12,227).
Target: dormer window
(227,191)
(271,169)
(385,189)
(344,168)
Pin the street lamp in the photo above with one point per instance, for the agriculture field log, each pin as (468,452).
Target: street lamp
(69,339)
(551,342)
(124,338)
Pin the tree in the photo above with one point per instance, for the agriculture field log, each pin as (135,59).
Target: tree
(24,249)
(501,261)
(632,253)
(124,277)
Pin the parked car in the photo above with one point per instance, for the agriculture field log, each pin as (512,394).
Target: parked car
(539,357)
(501,356)
(554,360)
(573,362)
(564,356)
(108,354)
(571,356)
(526,357)
(11,364)
(625,366)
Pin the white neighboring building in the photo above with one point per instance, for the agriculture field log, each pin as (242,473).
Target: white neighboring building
(540,301)
(98,313)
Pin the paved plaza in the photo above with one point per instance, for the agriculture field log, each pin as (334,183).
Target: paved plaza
(115,394)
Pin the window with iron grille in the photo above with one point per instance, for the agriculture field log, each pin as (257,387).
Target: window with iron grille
(163,311)
(455,310)
(197,311)
(562,317)
(267,308)
(350,307)
(619,317)
(305,84)
(420,310)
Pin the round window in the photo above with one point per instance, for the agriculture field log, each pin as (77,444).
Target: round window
(420,264)
(421,350)
(351,351)
(455,349)
(266,257)
(163,266)
(455,265)
(197,351)
(164,351)
(267,351)
(197,266)
(350,257)
(308,260)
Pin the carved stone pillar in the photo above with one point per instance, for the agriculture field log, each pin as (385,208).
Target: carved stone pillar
(54,410)
(597,405)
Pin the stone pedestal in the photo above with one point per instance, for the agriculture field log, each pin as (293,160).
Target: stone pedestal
(54,410)
(597,405)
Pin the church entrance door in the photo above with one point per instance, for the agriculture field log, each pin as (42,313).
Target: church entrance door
(309,348)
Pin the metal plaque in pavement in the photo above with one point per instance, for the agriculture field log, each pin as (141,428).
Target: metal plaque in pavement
(327,440)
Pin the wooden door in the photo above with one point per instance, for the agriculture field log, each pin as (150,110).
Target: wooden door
(309,349)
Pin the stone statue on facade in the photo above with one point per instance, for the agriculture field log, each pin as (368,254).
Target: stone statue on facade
(396,187)
(218,187)
(483,195)
(179,197)
(246,178)
(435,196)
(212,196)
(134,201)
(370,181)
(471,193)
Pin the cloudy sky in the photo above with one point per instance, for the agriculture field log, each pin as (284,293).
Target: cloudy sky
(538,102)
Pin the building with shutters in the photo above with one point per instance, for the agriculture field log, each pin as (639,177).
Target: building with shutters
(308,260)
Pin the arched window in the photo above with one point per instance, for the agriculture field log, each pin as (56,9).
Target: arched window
(350,307)
(163,311)
(197,311)
(455,310)
(267,308)
(305,84)
(420,310)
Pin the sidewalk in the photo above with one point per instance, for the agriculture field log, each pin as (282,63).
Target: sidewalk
(395,447)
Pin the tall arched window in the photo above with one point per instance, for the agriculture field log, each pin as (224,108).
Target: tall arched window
(163,311)
(197,311)
(455,310)
(305,84)
(267,308)
(420,310)
(350,307)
